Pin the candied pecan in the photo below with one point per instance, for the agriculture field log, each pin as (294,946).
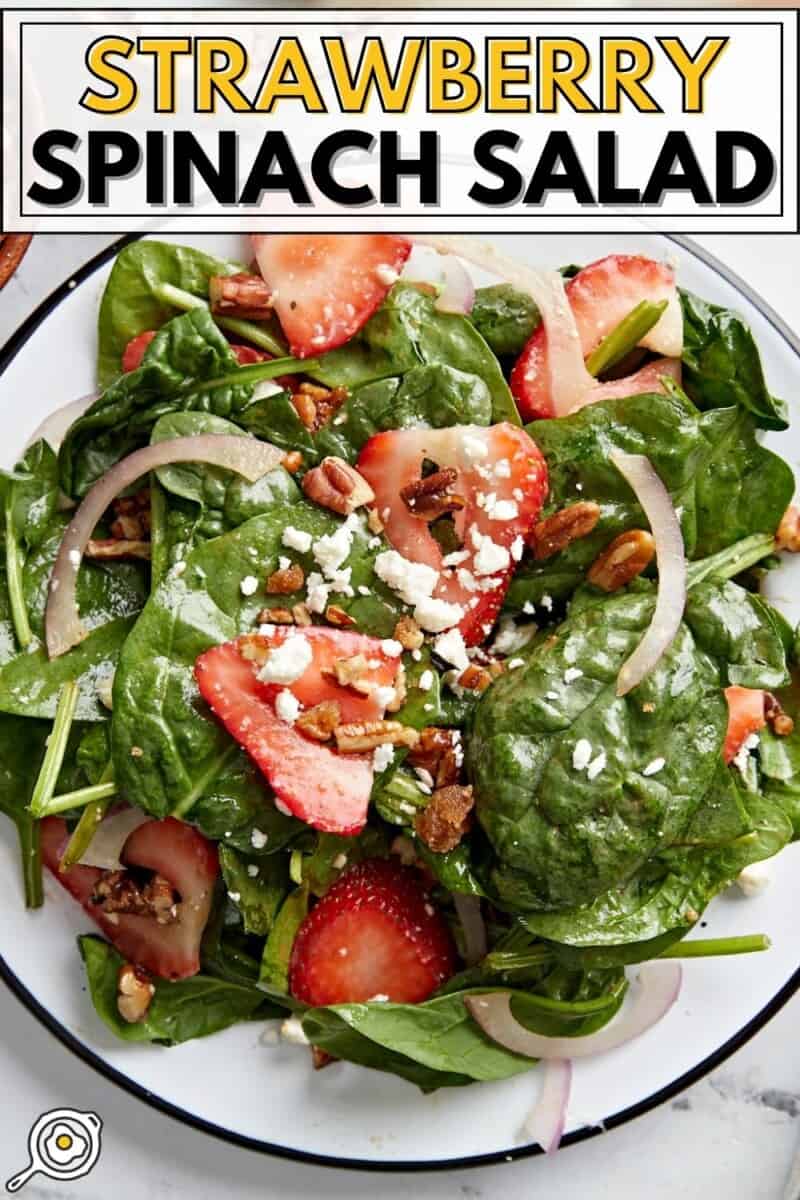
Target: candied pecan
(137,503)
(320,1058)
(285,581)
(111,548)
(315,405)
(134,993)
(350,672)
(622,560)
(555,532)
(120,892)
(445,820)
(779,721)
(254,648)
(338,617)
(244,296)
(408,633)
(431,497)
(475,678)
(320,721)
(128,527)
(301,614)
(359,736)
(374,522)
(436,754)
(336,485)
(400,691)
(275,616)
(292,462)
(306,409)
(788,535)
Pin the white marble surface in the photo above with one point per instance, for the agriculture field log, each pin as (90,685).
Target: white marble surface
(734,1134)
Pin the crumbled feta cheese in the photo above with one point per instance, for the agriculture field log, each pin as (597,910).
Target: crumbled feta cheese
(424,776)
(502,469)
(411,580)
(547,602)
(297,539)
(513,663)
(252,870)
(287,706)
(571,674)
(528,608)
(490,558)
(363,590)
(474,448)
(292,1031)
(551,696)
(288,661)
(425,682)
(283,808)
(517,547)
(455,558)
(382,757)
(339,862)
(258,840)
(391,647)
(467,580)
(740,759)
(385,695)
(386,274)
(416,655)
(654,767)
(511,637)
(331,550)
(248,585)
(317,592)
(450,646)
(374,542)
(596,765)
(753,879)
(582,754)
(436,615)
(503,510)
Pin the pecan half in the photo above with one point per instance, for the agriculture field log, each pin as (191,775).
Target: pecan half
(306,409)
(445,820)
(350,672)
(554,533)
(254,648)
(788,535)
(301,614)
(359,736)
(408,633)
(436,753)
(622,560)
(275,616)
(287,580)
(243,295)
(338,617)
(430,498)
(111,548)
(319,722)
(134,993)
(334,484)
(400,691)
(120,892)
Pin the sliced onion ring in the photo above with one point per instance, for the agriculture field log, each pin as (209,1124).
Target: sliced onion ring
(458,293)
(546,1121)
(671,559)
(569,381)
(111,834)
(469,914)
(245,455)
(659,986)
(56,423)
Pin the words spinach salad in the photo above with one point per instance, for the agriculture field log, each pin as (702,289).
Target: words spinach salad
(388,656)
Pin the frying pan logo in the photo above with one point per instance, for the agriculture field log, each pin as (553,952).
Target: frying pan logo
(63,1144)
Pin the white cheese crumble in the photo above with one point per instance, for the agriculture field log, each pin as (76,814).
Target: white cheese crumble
(391,647)
(513,663)
(75,558)
(489,557)
(425,681)
(339,862)
(252,870)
(317,592)
(386,274)
(434,615)
(249,585)
(654,767)
(596,765)
(740,759)
(571,674)
(502,469)
(287,662)
(297,539)
(518,548)
(287,706)
(258,840)
(411,580)
(382,757)
(753,879)
(582,754)
(474,448)
(455,558)
(283,808)
(450,646)
(503,510)
(547,602)
(331,550)
(292,1031)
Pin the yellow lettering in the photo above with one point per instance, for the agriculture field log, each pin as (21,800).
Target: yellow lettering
(502,73)
(693,71)
(354,88)
(164,51)
(219,63)
(452,87)
(558,77)
(627,64)
(288,76)
(125,91)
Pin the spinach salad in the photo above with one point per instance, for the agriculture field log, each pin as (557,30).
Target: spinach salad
(387,656)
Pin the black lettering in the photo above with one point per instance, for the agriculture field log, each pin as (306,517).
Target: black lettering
(274,151)
(101,168)
(155,167)
(728,190)
(71,183)
(558,151)
(190,157)
(608,191)
(676,150)
(324,157)
(511,180)
(425,167)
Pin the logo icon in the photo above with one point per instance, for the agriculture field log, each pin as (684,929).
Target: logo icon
(63,1144)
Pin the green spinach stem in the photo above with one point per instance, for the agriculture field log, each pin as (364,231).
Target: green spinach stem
(710,947)
(47,778)
(16,595)
(625,336)
(249,330)
(81,797)
(91,817)
(30,846)
(731,561)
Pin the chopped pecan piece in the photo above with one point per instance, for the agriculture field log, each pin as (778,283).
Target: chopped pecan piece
(127,506)
(306,409)
(622,560)
(374,522)
(359,736)
(315,405)
(320,721)
(131,528)
(475,678)
(350,672)
(120,892)
(134,993)
(788,535)
(111,548)
(320,1058)
(275,616)
(400,691)
(436,754)
(254,648)
(244,296)
(334,484)
(338,617)
(408,633)
(779,721)
(445,820)
(430,498)
(301,614)
(285,581)
(554,533)
(292,462)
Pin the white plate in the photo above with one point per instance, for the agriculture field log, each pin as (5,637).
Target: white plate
(267,1097)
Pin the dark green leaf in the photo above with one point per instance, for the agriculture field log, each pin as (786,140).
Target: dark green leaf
(257,886)
(504,317)
(274,972)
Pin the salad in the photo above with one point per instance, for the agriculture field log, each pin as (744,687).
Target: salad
(387,656)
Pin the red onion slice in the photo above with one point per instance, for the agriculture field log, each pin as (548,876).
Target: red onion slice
(469,914)
(671,558)
(245,455)
(659,986)
(111,834)
(458,292)
(546,1122)
(56,423)
(570,382)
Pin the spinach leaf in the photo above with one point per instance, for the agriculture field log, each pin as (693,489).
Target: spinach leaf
(504,317)
(722,365)
(130,304)
(332,853)
(238,804)
(178,1012)
(156,702)
(407,331)
(257,886)
(723,483)
(436,396)
(274,973)
(32,493)
(22,743)
(737,629)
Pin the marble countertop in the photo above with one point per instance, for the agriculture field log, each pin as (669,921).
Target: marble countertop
(735,1133)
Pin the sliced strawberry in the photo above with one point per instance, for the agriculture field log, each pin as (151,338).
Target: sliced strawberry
(648,379)
(502,477)
(600,296)
(326,286)
(329,791)
(133,353)
(171,849)
(248,354)
(745,716)
(374,934)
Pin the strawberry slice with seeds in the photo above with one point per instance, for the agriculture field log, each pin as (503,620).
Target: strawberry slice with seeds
(375,934)
(500,475)
(745,716)
(600,296)
(134,352)
(329,791)
(326,286)
(169,848)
